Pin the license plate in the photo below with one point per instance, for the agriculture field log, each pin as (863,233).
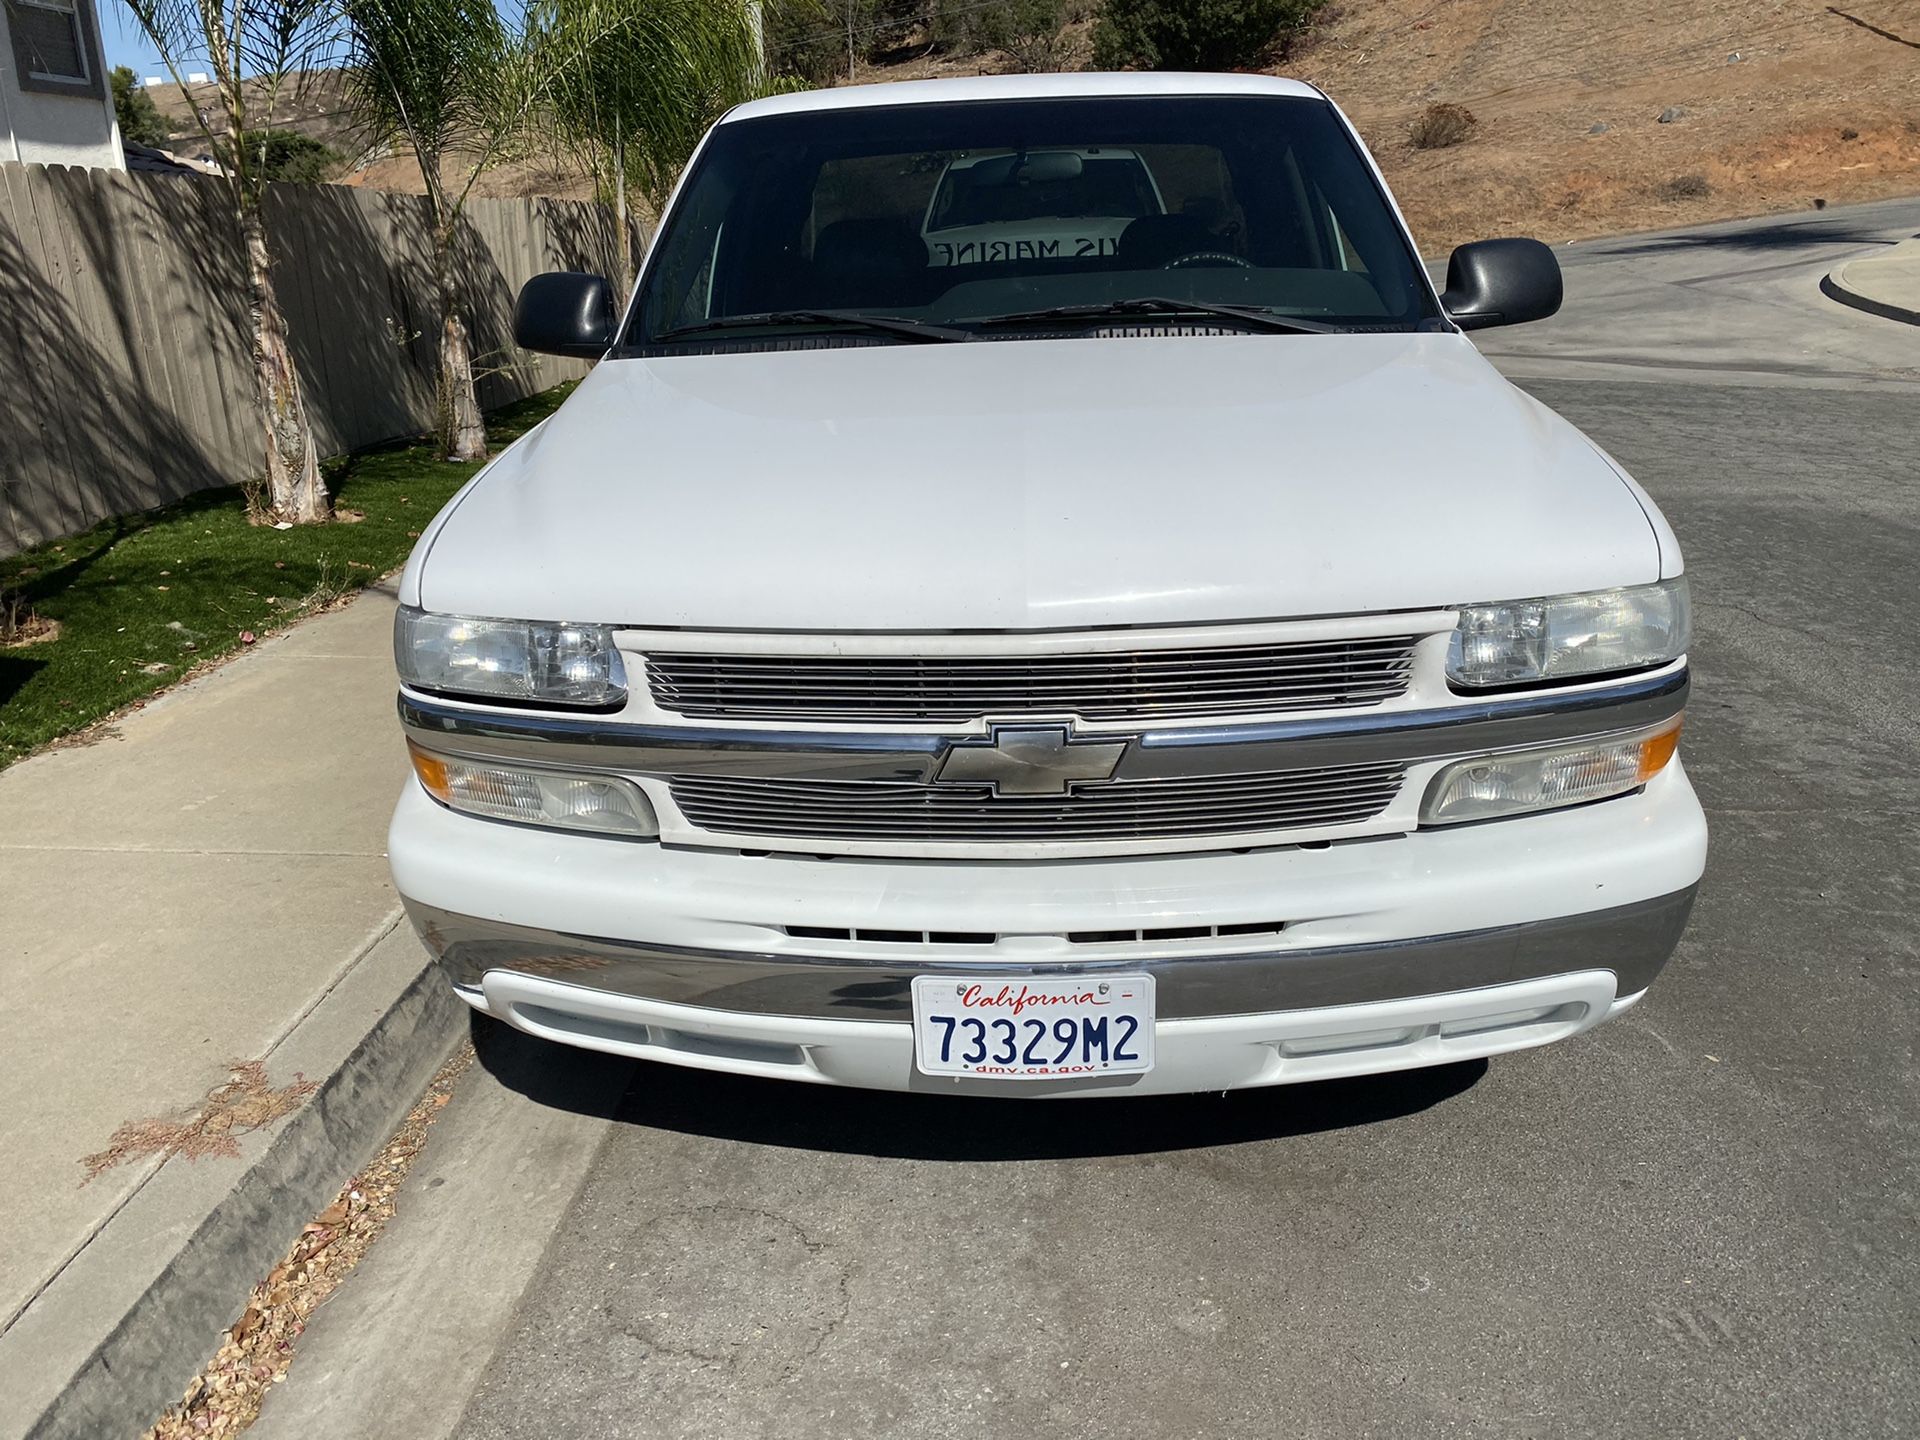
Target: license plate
(1009,1029)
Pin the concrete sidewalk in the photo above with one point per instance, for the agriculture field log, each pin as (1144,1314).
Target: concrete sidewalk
(206,885)
(1886,283)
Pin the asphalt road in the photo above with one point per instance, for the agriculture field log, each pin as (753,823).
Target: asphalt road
(1699,1220)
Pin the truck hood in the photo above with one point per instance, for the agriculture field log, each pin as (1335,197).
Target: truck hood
(1037,484)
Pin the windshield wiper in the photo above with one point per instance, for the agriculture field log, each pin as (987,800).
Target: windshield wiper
(1255,316)
(846,319)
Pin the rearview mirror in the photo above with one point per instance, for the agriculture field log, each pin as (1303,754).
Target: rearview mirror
(1501,282)
(1024,169)
(565,313)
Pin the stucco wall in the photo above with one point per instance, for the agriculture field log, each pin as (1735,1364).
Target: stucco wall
(46,129)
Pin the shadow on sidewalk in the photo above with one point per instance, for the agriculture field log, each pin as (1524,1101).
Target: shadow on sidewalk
(794,1115)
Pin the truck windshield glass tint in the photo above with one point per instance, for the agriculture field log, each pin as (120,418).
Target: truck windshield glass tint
(958,213)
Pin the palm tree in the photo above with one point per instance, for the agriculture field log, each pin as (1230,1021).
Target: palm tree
(463,87)
(253,51)
(451,81)
(639,82)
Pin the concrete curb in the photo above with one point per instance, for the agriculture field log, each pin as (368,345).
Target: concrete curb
(116,1336)
(1887,284)
(508,1157)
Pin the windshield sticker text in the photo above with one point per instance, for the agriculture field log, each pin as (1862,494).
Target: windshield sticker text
(977,252)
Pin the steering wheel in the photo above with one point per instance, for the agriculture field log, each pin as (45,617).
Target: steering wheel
(1205,258)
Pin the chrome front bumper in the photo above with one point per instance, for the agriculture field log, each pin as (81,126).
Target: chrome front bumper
(1632,941)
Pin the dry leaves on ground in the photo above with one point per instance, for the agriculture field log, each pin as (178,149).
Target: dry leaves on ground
(225,1398)
(29,629)
(243,1102)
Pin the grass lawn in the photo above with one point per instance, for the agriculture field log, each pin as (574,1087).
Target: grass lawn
(141,600)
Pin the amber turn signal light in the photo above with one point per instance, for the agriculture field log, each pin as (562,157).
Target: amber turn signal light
(1657,751)
(432,772)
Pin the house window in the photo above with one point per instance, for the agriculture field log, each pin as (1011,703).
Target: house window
(50,34)
(53,46)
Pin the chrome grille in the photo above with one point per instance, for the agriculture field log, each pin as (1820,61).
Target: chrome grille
(1102,810)
(1096,685)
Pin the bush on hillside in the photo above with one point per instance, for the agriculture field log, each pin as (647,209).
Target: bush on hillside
(1030,33)
(1442,125)
(810,39)
(1194,34)
(1686,187)
(813,40)
(803,41)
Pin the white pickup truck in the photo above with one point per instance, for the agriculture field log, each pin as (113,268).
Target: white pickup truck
(1182,666)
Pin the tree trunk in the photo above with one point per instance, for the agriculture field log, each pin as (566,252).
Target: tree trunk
(620,213)
(461,425)
(295,491)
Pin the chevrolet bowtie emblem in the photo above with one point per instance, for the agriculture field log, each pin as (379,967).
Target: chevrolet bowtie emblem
(1030,760)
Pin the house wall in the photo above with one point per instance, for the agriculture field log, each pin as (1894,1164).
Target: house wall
(40,127)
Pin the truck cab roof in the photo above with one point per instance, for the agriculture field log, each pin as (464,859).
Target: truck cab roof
(1019,87)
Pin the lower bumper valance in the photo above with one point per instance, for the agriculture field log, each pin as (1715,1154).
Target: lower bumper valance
(1633,941)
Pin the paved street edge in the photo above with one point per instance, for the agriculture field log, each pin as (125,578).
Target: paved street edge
(1887,284)
(101,1354)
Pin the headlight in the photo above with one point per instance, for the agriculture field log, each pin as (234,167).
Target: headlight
(604,804)
(1520,781)
(1522,642)
(531,661)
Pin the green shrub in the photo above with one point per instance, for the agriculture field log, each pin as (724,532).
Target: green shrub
(1194,34)
(140,119)
(803,41)
(1027,32)
(814,39)
(293,158)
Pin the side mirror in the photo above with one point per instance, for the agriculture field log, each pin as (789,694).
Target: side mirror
(1501,282)
(565,313)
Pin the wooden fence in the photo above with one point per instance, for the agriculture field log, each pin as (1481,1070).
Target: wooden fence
(125,380)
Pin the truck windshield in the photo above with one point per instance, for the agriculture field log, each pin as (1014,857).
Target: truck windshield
(962,215)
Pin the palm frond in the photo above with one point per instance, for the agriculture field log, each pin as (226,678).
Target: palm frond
(426,71)
(645,78)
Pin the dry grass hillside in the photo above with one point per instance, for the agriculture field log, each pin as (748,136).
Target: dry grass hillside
(1786,104)
(317,107)
(1783,104)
